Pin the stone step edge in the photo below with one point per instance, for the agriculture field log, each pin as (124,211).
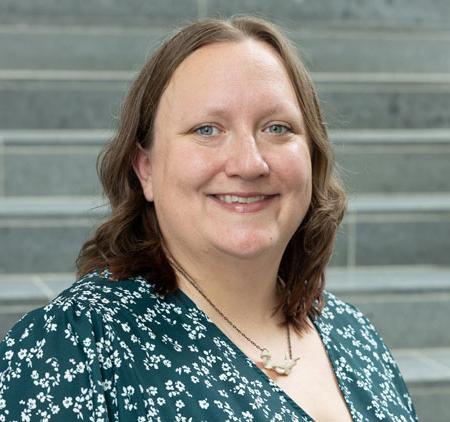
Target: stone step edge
(374,24)
(382,280)
(98,137)
(424,368)
(67,206)
(315,31)
(340,280)
(123,76)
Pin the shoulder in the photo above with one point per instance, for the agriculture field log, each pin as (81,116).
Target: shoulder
(57,358)
(88,313)
(353,337)
(87,306)
(94,294)
(347,324)
(360,354)
(341,313)
(99,289)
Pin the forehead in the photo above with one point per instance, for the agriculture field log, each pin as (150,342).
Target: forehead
(224,56)
(228,74)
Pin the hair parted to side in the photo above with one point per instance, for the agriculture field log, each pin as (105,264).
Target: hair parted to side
(130,243)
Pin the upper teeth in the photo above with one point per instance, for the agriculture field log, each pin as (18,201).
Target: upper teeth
(239,199)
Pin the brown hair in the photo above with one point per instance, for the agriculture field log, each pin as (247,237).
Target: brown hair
(130,242)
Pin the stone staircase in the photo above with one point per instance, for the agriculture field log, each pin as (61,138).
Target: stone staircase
(383,74)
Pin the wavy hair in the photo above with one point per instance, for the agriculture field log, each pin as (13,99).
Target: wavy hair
(130,242)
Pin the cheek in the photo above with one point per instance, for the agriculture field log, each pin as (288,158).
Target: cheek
(189,171)
(295,169)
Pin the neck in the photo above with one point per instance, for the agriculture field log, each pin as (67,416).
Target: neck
(244,290)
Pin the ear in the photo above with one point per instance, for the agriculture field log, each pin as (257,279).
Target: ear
(143,168)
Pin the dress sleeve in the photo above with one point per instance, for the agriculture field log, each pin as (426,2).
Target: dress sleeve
(52,369)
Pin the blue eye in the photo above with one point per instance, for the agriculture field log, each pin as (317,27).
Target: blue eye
(207,132)
(286,129)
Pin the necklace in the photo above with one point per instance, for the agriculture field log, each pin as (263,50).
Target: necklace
(283,368)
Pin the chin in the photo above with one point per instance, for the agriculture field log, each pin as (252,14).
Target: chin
(250,248)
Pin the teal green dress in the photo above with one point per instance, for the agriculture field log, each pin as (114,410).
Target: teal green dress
(107,350)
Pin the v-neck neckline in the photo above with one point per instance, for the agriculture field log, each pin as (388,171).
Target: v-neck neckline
(188,301)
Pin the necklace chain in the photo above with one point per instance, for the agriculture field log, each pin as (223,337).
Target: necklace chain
(194,284)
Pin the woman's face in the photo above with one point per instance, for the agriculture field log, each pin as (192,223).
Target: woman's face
(229,170)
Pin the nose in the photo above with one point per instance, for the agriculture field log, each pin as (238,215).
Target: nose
(244,159)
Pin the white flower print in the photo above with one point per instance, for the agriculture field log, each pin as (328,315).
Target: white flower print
(203,404)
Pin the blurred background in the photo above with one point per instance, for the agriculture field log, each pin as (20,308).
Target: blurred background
(382,69)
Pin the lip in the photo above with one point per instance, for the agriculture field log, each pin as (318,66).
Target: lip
(244,208)
(243,194)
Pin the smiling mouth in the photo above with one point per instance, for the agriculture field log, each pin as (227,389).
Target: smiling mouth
(238,199)
(233,199)
(245,203)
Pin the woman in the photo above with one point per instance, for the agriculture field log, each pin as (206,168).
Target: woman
(202,297)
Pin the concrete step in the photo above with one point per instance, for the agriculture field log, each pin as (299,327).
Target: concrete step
(44,234)
(425,369)
(125,49)
(62,162)
(398,229)
(289,12)
(97,12)
(413,300)
(394,160)
(91,100)
(54,162)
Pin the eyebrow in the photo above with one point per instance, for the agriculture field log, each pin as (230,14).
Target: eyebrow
(277,108)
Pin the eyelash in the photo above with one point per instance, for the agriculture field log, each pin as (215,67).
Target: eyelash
(288,129)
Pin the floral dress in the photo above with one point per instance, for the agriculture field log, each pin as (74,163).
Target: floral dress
(107,350)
